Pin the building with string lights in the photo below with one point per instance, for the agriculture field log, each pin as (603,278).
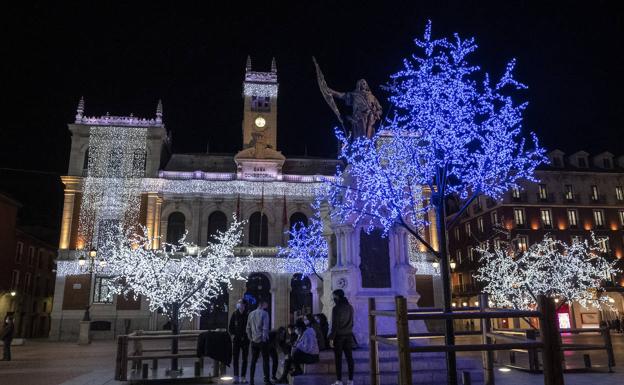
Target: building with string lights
(121,171)
(577,194)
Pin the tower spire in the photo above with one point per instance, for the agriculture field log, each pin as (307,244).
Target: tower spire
(80,109)
(273,65)
(159,111)
(248,66)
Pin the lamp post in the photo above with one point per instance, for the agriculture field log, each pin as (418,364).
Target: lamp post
(89,265)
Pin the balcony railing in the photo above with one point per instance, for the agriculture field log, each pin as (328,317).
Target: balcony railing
(522,197)
(489,203)
(570,197)
(549,197)
(466,289)
(256,250)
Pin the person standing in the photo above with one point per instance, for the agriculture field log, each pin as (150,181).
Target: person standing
(240,341)
(258,334)
(341,334)
(7,337)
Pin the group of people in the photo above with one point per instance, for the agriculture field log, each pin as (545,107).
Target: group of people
(300,343)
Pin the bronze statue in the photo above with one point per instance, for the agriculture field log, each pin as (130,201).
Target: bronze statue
(366,107)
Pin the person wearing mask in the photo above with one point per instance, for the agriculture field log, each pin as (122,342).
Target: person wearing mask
(341,334)
(240,341)
(305,350)
(310,321)
(7,337)
(258,334)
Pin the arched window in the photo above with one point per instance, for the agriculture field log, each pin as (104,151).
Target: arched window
(217,221)
(298,218)
(300,296)
(258,229)
(175,227)
(215,315)
(258,288)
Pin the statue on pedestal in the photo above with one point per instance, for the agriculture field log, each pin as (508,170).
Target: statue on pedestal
(366,108)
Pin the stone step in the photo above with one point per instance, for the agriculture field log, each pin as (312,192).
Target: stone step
(326,364)
(384,351)
(430,377)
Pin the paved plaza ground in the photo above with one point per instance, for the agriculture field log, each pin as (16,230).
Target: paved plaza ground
(42,362)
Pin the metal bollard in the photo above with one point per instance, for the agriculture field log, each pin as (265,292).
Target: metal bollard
(587,361)
(144,370)
(466,378)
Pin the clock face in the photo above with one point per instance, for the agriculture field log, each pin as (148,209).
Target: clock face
(260,122)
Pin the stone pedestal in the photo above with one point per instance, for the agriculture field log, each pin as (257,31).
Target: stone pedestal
(347,275)
(84,336)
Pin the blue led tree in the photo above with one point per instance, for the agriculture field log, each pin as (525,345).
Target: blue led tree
(307,249)
(452,133)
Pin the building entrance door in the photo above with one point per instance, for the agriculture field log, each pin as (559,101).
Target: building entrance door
(258,289)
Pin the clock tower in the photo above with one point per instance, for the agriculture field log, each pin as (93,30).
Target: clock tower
(260,105)
(259,158)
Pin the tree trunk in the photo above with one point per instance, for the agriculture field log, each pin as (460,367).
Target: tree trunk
(449,332)
(175,330)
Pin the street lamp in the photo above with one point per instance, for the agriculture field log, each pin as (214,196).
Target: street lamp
(192,249)
(91,264)
(453,265)
(13,293)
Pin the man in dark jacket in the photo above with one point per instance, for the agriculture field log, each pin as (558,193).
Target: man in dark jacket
(240,341)
(7,337)
(341,334)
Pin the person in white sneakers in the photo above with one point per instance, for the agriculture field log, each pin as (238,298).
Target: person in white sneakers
(341,334)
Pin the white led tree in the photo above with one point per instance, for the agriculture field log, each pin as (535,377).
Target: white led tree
(178,278)
(307,249)
(566,272)
(451,133)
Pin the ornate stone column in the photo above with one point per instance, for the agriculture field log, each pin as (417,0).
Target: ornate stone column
(66,223)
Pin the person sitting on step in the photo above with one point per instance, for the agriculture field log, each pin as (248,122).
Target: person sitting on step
(305,351)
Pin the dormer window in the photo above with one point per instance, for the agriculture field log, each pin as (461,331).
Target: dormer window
(606,163)
(582,162)
(557,161)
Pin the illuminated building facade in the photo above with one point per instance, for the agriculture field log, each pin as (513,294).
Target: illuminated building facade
(577,194)
(121,170)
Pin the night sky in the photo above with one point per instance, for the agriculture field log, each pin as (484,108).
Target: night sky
(124,56)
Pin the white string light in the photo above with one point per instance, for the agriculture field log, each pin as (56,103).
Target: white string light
(181,274)
(232,187)
(566,272)
(112,188)
(307,250)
